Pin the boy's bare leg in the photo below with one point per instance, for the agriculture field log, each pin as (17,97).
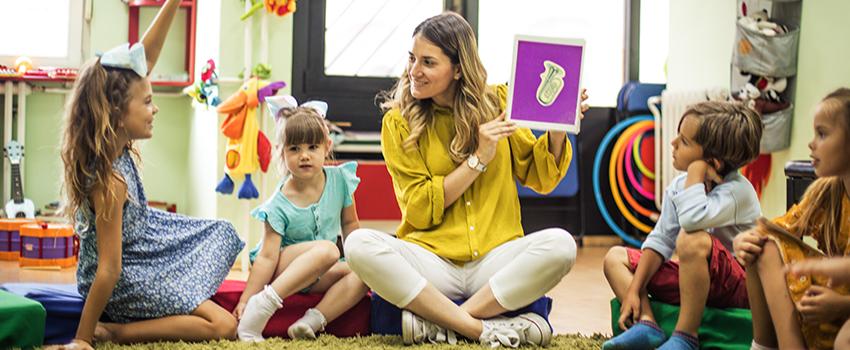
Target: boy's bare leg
(619,275)
(694,249)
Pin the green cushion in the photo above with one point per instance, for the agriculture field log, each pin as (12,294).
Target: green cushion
(21,321)
(727,329)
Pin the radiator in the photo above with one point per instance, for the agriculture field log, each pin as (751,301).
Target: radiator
(672,105)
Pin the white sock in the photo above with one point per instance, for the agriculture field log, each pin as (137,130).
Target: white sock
(308,325)
(258,311)
(757,346)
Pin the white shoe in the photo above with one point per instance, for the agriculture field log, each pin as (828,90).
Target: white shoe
(417,330)
(528,328)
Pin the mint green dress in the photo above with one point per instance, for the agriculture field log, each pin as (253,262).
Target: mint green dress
(320,220)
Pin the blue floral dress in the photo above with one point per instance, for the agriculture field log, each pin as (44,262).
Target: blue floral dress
(170,263)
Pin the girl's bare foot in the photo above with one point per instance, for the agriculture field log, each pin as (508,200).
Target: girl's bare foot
(105,332)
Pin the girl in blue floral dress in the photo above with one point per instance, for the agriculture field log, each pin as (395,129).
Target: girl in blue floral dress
(312,205)
(149,271)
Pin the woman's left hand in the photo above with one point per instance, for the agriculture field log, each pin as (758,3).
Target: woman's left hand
(584,106)
(821,304)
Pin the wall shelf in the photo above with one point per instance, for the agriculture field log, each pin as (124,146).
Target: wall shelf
(191,20)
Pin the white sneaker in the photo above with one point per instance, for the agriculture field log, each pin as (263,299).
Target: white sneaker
(417,330)
(528,328)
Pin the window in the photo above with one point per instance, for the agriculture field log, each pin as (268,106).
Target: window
(56,41)
(600,23)
(349,50)
(654,40)
(367,38)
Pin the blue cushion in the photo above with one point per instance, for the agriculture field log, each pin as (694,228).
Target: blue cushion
(386,318)
(568,186)
(63,304)
(633,95)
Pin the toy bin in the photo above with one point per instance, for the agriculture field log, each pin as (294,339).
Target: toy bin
(48,245)
(10,238)
(777,130)
(771,56)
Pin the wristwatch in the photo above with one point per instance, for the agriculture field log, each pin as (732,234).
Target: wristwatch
(475,163)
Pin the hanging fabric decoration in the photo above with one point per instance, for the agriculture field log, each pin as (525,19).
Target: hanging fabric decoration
(248,149)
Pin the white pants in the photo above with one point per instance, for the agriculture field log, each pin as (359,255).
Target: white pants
(519,272)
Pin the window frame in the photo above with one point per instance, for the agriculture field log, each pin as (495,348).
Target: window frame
(74,56)
(352,99)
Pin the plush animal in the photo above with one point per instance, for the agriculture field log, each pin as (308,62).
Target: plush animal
(759,21)
(205,90)
(277,7)
(769,88)
(248,149)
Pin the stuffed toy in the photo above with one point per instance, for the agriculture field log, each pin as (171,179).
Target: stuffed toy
(205,90)
(277,7)
(769,88)
(759,21)
(248,149)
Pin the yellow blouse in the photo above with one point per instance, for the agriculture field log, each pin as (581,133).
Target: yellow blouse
(790,218)
(488,213)
(817,335)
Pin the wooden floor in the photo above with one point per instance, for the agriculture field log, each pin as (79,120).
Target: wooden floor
(581,299)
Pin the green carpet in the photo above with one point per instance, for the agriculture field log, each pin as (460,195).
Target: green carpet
(326,342)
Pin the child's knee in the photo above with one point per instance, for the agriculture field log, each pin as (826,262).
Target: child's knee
(328,251)
(616,255)
(693,245)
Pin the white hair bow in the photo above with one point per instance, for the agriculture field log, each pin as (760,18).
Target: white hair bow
(276,103)
(126,57)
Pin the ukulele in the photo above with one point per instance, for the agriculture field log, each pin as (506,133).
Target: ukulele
(18,206)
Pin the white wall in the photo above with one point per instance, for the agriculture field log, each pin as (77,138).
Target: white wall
(701,38)
(203,128)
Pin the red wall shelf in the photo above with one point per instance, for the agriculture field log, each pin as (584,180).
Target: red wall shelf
(191,20)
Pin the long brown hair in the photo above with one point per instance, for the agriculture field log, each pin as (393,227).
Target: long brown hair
(825,195)
(474,102)
(90,135)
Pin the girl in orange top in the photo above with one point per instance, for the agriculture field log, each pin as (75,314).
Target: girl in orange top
(809,311)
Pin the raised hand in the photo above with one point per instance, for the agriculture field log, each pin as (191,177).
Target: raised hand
(489,135)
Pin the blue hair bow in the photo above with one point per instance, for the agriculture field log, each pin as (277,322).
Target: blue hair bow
(125,56)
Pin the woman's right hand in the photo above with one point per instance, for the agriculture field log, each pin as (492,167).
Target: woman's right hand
(748,247)
(489,135)
(240,308)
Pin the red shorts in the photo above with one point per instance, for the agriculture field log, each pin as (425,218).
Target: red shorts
(728,287)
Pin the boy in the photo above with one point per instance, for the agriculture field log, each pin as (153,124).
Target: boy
(701,213)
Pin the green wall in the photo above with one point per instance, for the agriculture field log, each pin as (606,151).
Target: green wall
(178,163)
(232,61)
(823,65)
